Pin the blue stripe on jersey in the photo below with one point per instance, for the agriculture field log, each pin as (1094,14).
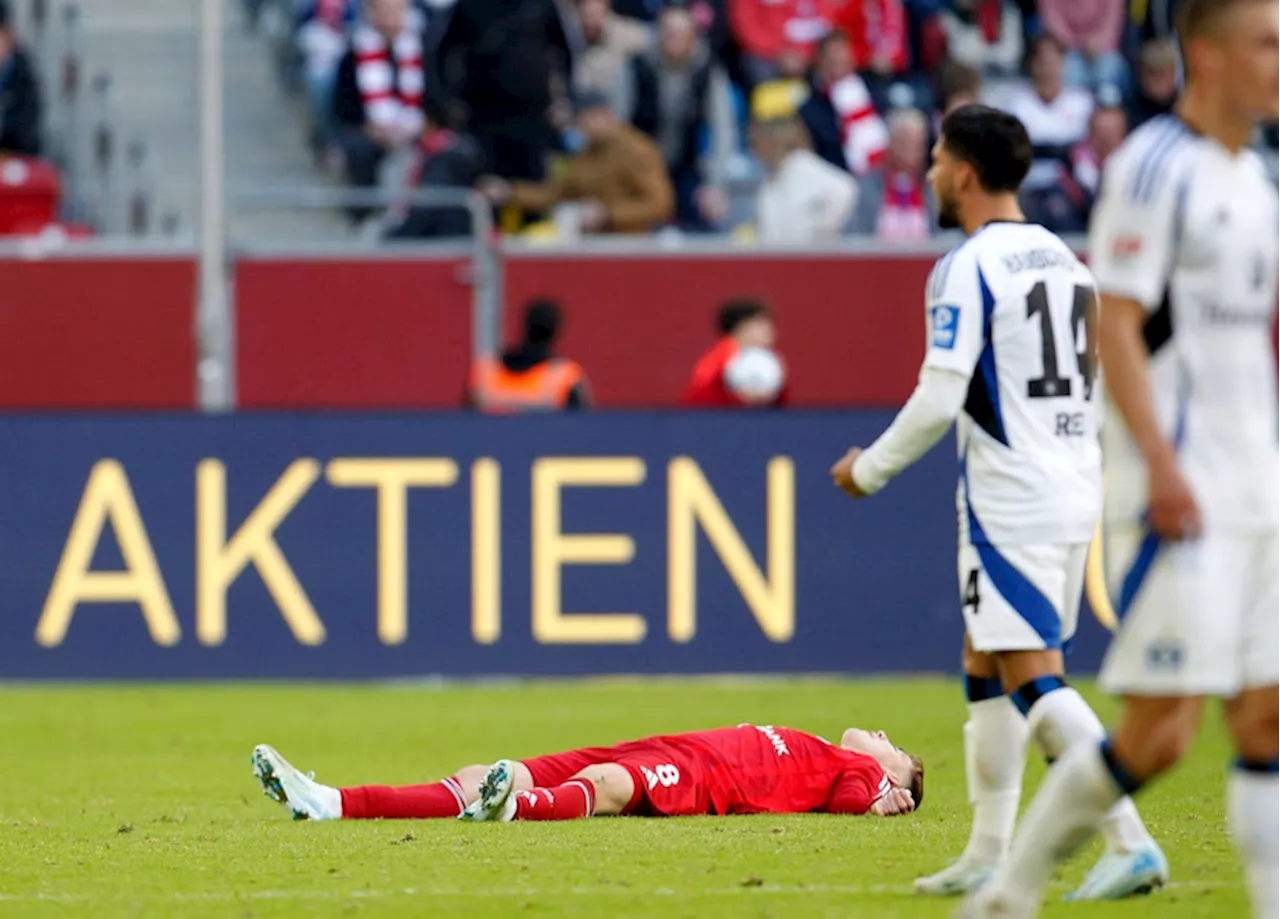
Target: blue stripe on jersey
(1155,163)
(1136,576)
(1154,133)
(1023,596)
(982,404)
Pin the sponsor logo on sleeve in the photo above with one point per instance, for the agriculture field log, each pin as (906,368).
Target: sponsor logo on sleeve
(1126,247)
(944,322)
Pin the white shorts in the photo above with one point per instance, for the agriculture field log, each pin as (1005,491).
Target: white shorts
(1196,619)
(1021,598)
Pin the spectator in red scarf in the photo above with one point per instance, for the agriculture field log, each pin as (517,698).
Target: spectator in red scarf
(842,121)
(377,99)
(896,204)
(763,28)
(1091,30)
(742,324)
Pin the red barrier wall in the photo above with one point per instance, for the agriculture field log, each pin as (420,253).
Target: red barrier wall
(852,329)
(85,333)
(380,333)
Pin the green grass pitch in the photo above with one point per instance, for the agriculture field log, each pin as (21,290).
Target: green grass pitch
(139,801)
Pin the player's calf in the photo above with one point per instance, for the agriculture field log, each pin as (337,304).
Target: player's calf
(1253,795)
(1153,735)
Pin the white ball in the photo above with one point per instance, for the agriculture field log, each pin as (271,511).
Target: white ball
(755,375)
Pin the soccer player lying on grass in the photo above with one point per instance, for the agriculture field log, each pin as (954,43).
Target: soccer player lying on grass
(746,769)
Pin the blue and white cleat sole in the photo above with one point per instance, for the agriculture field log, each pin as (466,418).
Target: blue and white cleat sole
(1121,875)
(496,789)
(268,766)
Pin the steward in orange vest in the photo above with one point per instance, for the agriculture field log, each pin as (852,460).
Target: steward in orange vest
(529,378)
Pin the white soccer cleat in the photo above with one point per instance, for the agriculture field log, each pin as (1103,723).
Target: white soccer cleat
(954,880)
(306,798)
(497,801)
(1125,874)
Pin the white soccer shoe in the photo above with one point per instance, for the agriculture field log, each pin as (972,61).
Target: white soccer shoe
(306,798)
(1125,874)
(497,801)
(960,878)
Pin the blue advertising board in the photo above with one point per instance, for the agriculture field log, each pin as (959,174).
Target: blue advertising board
(332,546)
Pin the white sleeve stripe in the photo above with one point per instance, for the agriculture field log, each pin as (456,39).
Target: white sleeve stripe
(938,281)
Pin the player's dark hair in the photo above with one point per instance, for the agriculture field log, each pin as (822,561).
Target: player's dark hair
(737,311)
(917,780)
(993,142)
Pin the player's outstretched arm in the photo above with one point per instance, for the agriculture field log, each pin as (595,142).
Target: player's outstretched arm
(1173,512)
(928,414)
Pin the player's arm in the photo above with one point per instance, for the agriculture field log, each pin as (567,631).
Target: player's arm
(1123,351)
(854,795)
(1132,253)
(955,341)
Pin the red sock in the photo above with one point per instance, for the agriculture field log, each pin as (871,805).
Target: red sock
(573,799)
(410,802)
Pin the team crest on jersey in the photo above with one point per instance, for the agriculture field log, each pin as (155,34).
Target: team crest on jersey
(944,321)
(1166,654)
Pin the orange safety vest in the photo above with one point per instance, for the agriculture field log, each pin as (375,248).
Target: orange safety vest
(544,387)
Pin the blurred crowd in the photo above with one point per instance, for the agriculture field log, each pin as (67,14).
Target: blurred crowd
(788,121)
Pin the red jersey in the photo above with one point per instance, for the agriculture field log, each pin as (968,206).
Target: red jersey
(760,769)
(706,387)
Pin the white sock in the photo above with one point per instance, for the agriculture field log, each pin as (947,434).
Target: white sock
(1252,806)
(1059,720)
(1065,813)
(995,744)
(331,798)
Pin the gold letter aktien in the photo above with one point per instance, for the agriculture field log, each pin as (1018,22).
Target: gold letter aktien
(690,502)
(108,499)
(553,549)
(219,561)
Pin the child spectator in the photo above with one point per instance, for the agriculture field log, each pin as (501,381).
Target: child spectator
(844,125)
(1091,30)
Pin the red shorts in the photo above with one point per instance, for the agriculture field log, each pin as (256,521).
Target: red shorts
(669,781)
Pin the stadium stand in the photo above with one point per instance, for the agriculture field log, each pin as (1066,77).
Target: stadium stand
(1078,73)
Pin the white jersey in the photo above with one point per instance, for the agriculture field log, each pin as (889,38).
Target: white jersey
(1189,231)
(1014,310)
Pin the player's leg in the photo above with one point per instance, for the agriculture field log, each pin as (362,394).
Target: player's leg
(995,745)
(1254,718)
(600,790)
(308,799)
(446,798)
(1165,657)
(1059,718)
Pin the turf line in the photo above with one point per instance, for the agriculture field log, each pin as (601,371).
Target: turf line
(500,894)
